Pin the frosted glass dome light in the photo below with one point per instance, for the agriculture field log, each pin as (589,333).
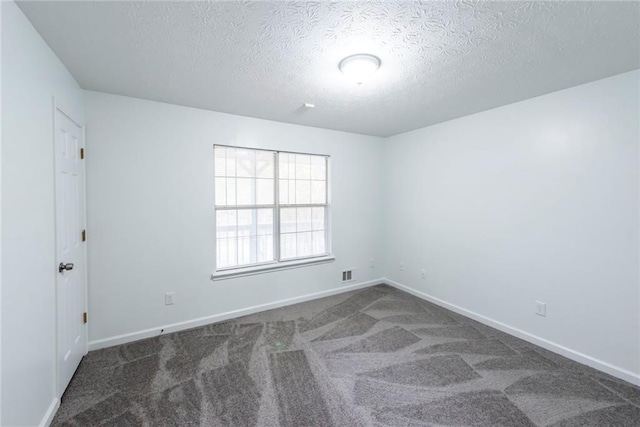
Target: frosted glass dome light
(360,67)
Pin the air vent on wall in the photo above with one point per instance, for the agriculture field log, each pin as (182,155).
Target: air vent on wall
(348,275)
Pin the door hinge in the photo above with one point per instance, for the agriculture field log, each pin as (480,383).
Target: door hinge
(84,235)
(82,153)
(85,317)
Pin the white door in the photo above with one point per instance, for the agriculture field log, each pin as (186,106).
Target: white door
(71,250)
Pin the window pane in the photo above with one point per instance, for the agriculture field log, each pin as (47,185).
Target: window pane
(302,179)
(303,244)
(319,242)
(318,192)
(265,164)
(302,232)
(244,237)
(246,223)
(231,161)
(283,165)
(227,253)
(265,248)
(231,192)
(222,260)
(303,166)
(288,246)
(287,165)
(221,191)
(303,219)
(318,218)
(244,177)
(284,191)
(251,191)
(319,168)
(246,163)
(244,251)
(246,191)
(292,192)
(303,192)
(265,222)
(288,220)
(291,160)
(220,157)
(264,190)
(226,224)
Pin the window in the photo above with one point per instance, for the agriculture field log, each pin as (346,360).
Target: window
(271,207)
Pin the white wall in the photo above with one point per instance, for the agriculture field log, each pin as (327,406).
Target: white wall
(150,213)
(534,201)
(31,76)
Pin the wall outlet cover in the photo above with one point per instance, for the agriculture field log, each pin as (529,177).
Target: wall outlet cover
(168,298)
(541,309)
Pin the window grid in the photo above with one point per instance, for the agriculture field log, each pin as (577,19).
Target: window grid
(312,233)
(234,235)
(315,230)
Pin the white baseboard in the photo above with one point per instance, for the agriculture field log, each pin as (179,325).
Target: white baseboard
(51,412)
(551,346)
(175,327)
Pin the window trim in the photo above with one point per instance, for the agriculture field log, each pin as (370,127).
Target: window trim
(277,263)
(230,273)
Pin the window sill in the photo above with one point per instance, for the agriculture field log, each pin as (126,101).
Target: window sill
(250,271)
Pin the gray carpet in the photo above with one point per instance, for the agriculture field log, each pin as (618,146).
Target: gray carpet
(373,357)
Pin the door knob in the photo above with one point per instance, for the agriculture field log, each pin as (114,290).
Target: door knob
(64,266)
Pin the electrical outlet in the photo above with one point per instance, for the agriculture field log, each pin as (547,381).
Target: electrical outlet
(423,274)
(541,308)
(373,263)
(168,298)
(402,266)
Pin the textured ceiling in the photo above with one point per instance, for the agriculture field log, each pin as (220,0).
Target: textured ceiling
(440,60)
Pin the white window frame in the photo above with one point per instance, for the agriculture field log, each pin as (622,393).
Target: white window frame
(278,263)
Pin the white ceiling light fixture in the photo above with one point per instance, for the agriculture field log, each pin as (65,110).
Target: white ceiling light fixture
(359,68)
